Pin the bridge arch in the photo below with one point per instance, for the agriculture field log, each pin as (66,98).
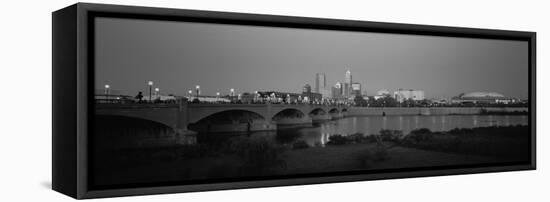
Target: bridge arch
(228,120)
(333,111)
(344,110)
(232,115)
(162,115)
(317,111)
(118,131)
(288,112)
(121,120)
(198,112)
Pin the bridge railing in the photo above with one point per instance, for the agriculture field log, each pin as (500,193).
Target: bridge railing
(125,99)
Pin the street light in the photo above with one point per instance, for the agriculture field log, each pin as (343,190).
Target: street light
(232,92)
(150,83)
(107,92)
(198,90)
(157,93)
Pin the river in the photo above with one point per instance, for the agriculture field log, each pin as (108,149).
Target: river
(318,134)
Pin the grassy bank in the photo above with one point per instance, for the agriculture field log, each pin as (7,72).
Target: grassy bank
(244,156)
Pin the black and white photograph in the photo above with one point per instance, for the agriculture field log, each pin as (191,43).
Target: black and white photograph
(193,102)
(275,101)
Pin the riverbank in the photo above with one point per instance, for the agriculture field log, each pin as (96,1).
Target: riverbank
(377,111)
(248,156)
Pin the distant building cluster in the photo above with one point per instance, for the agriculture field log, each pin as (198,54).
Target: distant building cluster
(347,91)
(342,92)
(410,94)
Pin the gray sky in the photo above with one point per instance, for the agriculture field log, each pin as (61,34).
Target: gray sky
(179,55)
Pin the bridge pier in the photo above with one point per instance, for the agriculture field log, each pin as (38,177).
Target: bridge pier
(338,115)
(302,121)
(184,136)
(320,118)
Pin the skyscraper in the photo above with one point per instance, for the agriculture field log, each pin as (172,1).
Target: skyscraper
(346,87)
(348,77)
(320,82)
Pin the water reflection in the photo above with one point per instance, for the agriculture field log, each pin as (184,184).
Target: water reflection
(319,134)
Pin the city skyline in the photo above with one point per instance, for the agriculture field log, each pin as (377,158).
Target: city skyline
(248,58)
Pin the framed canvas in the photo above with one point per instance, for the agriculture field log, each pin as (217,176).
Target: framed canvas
(155,100)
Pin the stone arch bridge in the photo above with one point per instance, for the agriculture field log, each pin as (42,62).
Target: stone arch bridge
(179,116)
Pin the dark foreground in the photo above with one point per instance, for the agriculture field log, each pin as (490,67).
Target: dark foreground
(261,156)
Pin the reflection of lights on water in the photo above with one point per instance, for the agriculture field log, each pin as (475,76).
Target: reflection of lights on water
(322,139)
(367,125)
(443,123)
(354,121)
(507,120)
(384,122)
(475,121)
(400,123)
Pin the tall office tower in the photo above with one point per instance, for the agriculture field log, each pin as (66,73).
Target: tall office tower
(348,77)
(320,82)
(346,89)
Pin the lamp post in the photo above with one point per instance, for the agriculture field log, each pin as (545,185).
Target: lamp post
(150,83)
(198,90)
(217,96)
(232,95)
(107,92)
(157,93)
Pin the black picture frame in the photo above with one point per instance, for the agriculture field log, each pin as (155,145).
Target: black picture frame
(73,72)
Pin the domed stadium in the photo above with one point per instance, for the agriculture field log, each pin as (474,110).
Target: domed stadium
(481,97)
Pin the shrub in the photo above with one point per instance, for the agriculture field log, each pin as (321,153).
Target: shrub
(391,135)
(461,131)
(337,139)
(421,131)
(418,135)
(371,138)
(357,138)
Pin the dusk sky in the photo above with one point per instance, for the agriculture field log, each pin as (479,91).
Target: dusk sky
(179,55)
